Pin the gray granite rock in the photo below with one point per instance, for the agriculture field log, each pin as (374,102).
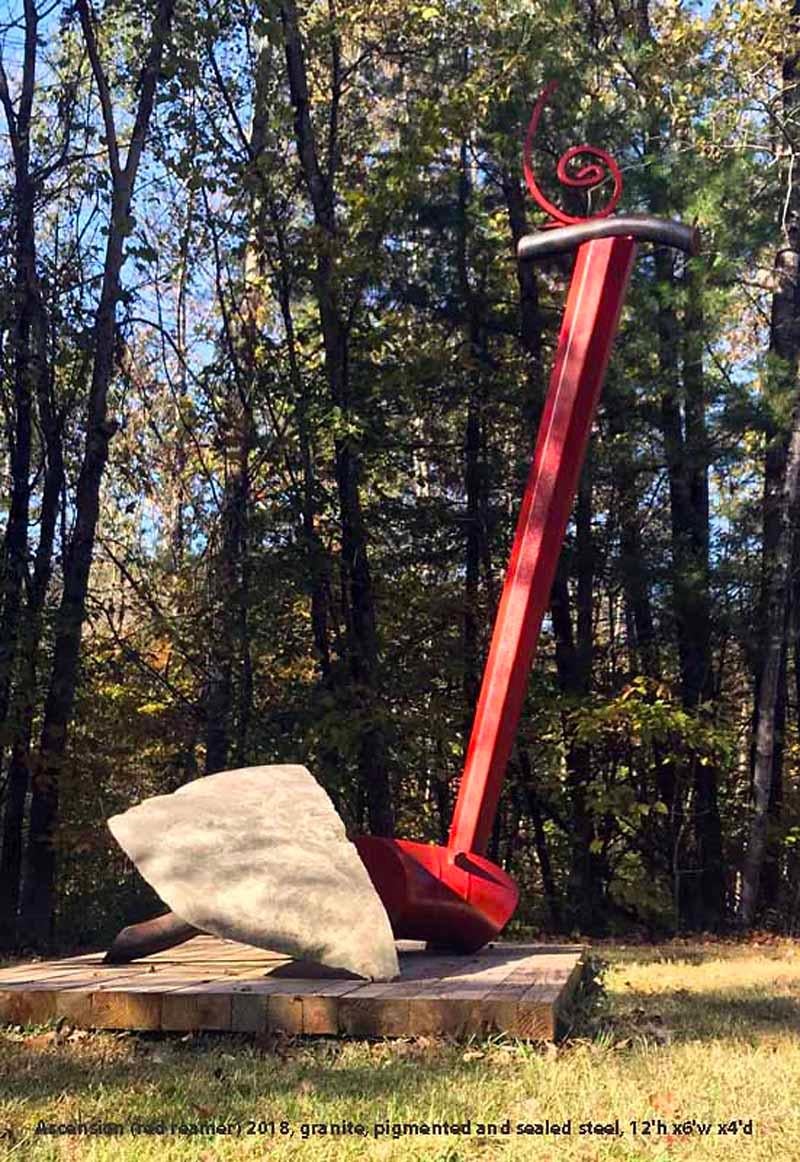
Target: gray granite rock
(260,855)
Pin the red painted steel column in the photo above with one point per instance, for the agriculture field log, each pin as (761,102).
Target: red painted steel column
(595,298)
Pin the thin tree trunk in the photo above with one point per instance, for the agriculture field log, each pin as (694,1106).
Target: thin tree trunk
(14,560)
(780,511)
(39,898)
(473,466)
(659,832)
(707,822)
(587,872)
(773,666)
(584,569)
(228,579)
(540,841)
(317,556)
(246,690)
(634,571)
(28,347)
(318,561)
(232,599)
(529,314)
(770,888)
(225,598)
(781,470)
(686,457)
(20,763)
(701,903)
(373,753)
(30,381)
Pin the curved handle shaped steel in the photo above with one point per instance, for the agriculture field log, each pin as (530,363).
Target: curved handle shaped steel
(643,227)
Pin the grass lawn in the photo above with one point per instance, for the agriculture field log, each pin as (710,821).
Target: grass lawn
(682,1033)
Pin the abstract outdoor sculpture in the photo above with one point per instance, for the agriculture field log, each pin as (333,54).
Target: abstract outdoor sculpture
(453,895)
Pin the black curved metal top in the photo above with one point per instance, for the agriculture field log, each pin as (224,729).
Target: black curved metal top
(641,226)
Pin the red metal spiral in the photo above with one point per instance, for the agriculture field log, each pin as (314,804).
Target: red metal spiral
(587,177)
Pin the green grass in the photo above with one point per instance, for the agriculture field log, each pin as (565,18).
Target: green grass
(680,1031)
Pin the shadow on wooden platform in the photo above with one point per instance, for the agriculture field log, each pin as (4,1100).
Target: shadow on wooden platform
(212,984)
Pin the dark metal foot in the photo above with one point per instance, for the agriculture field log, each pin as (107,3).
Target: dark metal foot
(151,936)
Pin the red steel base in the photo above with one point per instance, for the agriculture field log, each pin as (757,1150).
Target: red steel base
(455,899)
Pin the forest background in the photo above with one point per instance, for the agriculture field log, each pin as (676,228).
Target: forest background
(270,376)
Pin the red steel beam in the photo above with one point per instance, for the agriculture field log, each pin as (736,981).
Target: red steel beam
(594,301)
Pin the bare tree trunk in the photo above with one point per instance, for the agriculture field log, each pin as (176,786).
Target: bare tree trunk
(773,667)
(530,318)
(540,840)
(780,509)
(225,599)
(779,516)
(707,823)
(373,754)
(30,382)
(587,873)
(473,450)
(635,581)
(245,692)
(14,560)
(39,894)
(686,457)
(317,556)
(29,359)
(318,561)
(771,881)
(702,903)
(22,737)
(229,660)
(658,832)
(584,569)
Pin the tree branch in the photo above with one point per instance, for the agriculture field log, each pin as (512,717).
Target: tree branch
(87,24)
(226,97)
(8,109)
(336,93)
(319,184)
(28,70)
(149,79)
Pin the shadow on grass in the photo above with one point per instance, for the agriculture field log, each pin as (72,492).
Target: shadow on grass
(219,1073)
(743,1013)
(755,1015)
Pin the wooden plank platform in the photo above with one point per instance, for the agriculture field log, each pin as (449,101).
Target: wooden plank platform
(208,983)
